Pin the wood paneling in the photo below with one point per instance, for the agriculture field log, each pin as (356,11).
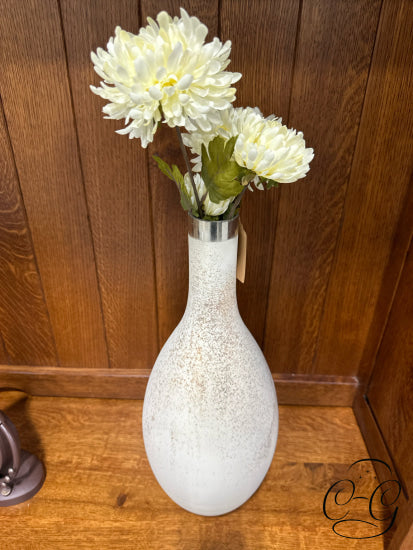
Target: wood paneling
(380,176)
(375,443)
(403,536)
(377,448)
(101,231)
(4,360)
(35,92)
(326,103)
(391,276)
(391,386)
(169,220)
(24,319)
(116,181)
(131,384)
(263,36)
(100,492)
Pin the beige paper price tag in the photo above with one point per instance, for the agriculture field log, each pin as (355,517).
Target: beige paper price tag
(242,252)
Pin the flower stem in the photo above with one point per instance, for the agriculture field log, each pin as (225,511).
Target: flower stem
(188,167)
(236,202)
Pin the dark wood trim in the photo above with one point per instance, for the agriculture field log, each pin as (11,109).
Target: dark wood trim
(377,448)
(391,276)
(130,384)
(315,389)
(402,538)
(370,430)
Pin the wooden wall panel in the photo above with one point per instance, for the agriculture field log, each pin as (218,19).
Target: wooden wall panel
(4,360)
(37,104)
(380,176)
(390,280)
(263,36)
(330,76)
(391,387)
(24,319)
(116,181)
(170,221)
(106,227)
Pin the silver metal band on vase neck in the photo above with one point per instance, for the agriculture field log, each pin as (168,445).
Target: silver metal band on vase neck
(212,231)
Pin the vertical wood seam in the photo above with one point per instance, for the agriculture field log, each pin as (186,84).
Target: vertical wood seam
(297,39)
(140,14)
(343,210)
(380,340)
(3,346)
(151,222)
(395,467)
(264,332)
(219,19)
(82,176)
(29,238)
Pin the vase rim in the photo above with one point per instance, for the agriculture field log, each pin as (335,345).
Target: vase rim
(213,231)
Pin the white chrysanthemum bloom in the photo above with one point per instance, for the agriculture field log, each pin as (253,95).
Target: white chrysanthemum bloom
(166,71)
(264,145)
(231,124)
(210,208)
(275,152)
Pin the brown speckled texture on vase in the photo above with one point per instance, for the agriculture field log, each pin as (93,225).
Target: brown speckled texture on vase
(210,416)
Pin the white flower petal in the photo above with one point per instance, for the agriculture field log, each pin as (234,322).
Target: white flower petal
(152,69)
(174,57)
(264,146)
(185,82)
(155,93)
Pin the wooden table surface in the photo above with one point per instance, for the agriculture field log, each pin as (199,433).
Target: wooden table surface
(100,492)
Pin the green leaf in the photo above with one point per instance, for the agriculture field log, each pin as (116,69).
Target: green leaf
(186,202)
(268,183)
(230,146)
(173,173)
(164,167)
(222,176)
(178,177)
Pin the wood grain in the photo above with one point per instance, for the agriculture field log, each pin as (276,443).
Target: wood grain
(381,171)
(372,435)
(24,320)
(263,36)
(391,386)
(37,104)
(129,384)
(403,536)
(335,44)
(109,235)
(391,276)
(4,360)
(116,182)
(377,448)
(100,492)
(169,220)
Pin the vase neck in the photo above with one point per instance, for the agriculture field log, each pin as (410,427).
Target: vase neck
(212,269)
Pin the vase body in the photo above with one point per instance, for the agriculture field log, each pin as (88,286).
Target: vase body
(210,414)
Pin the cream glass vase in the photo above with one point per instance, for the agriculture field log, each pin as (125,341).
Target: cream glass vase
(210,414)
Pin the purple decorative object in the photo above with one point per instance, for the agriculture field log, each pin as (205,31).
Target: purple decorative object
(21,473)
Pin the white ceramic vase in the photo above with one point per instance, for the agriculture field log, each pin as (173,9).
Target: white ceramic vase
(210,414)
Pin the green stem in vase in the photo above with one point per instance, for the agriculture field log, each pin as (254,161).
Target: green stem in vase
(236,203)
(188,167)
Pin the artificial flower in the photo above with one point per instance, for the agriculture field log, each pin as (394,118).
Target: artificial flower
(210,208)
(264,145)
(166,72)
